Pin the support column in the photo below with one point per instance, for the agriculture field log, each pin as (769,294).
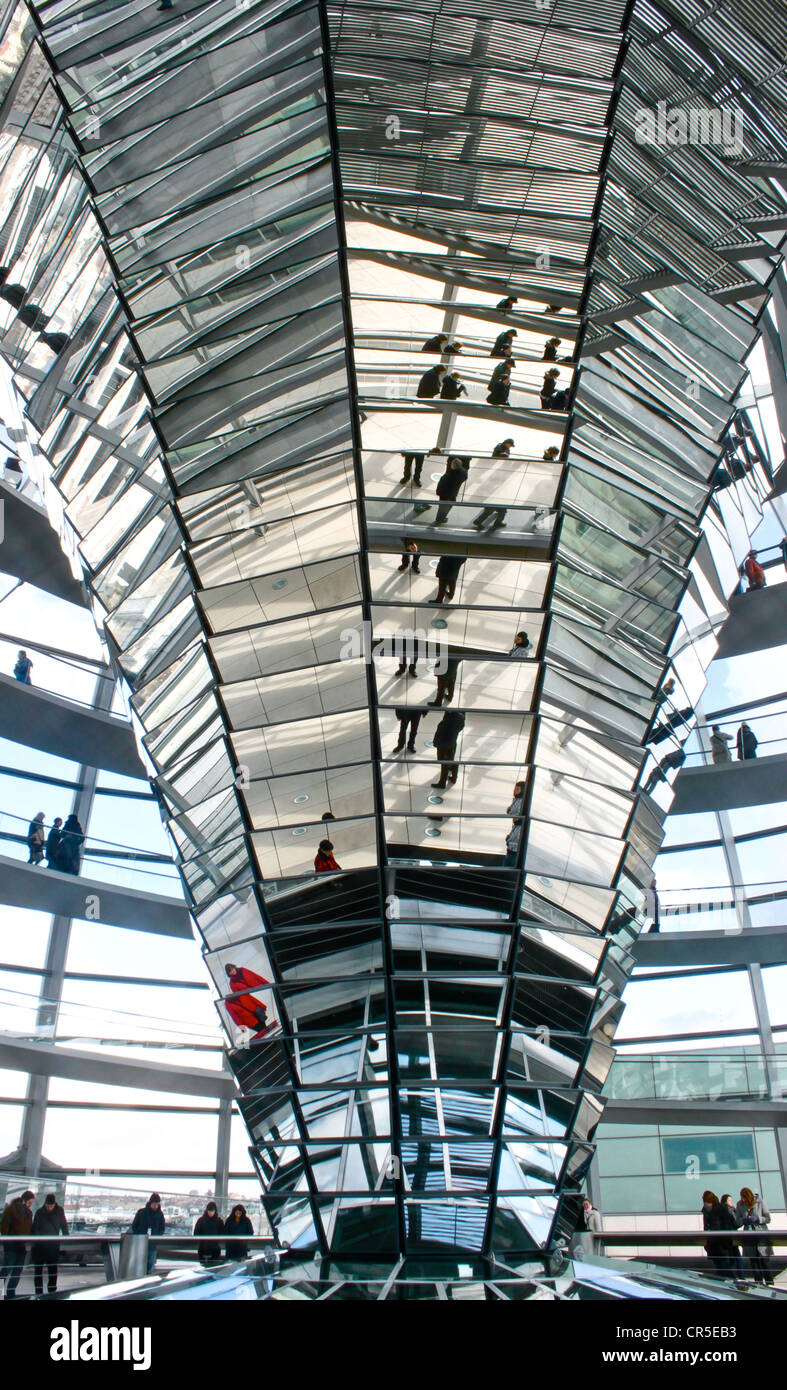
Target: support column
(32,1138)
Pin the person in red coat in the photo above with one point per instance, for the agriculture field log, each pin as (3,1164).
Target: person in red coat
(244,1009)
(324,862)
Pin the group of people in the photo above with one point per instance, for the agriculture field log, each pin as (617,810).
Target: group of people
(447,489)
(61,847)
(18,1219)
(727,1216)
(448,385)
(150,1221)
(746,743)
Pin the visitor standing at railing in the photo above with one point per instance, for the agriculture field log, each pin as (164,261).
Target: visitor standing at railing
(69,847)
(23,668)
(719,745)
(49,1220)
(36,839)
(237,1224)
(150,1221)
(52,841)
(746,742)
(17,1220)
(209,1224)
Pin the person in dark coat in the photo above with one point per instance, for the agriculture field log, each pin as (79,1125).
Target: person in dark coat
(746,742)
(502,341)
(209,1224)
(413,462)
(550,350)
(49,1220)
(446,682)
(711,1221)
(497,514)
(67,855)
(447,572)
(237,1224)
(149,1221)
(551,398)
(36,839)
(430,383)
(505,305)
(409,718)
(499,389)
(23,668)
(448,487)
(436,344)
(452,387)
(52,841)
(324,862)
(445,739)
(245,1009)
(17,1220)
(411,556)
(729,1222)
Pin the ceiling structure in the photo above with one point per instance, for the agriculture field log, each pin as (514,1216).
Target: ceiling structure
(228,229)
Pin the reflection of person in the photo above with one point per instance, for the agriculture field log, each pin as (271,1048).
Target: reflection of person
(446,682)
(551,398)
(49,1220)
(672,760)
(452,387)
(502,341)
(409,719)
(415,462)
(244,1009)
(410,557)
(522,646)
(149,1220)
(209,1224)
(448,488)
(550,350)
(506,304)
(430,383)
(324,862)
(719,745)
(436,344)
(447,572)
(445,739)
(515,833)
(499,389)
(746,742)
